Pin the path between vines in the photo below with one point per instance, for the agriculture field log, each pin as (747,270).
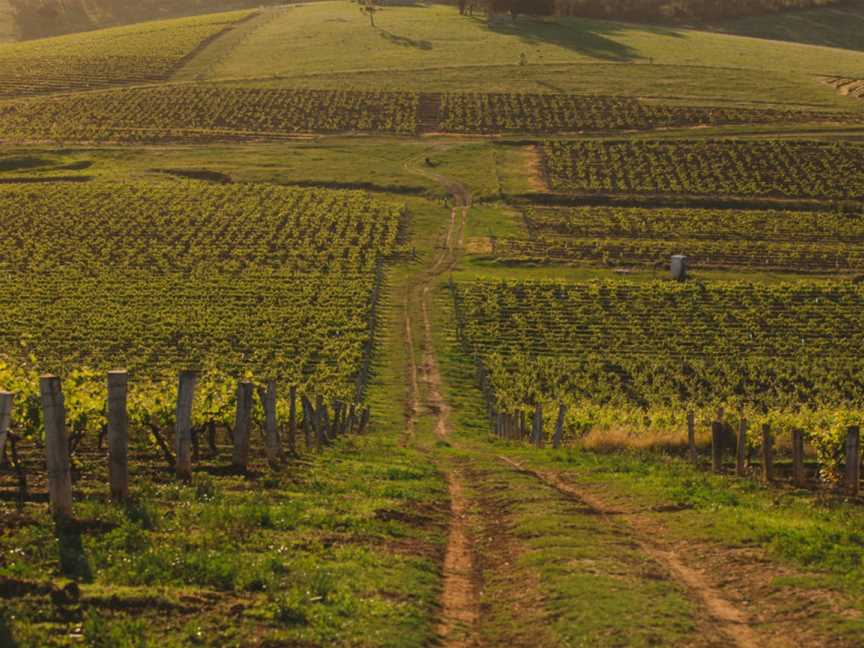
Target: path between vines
(462,580)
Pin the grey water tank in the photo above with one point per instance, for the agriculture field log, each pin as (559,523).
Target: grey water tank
(679,267)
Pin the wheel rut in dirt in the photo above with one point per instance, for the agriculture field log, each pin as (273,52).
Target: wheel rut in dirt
(726,617)
(460,591)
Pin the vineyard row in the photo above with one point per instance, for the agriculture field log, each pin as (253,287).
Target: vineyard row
(196,113)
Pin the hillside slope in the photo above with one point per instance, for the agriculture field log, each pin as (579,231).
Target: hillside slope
(838,26)
(435,49)
(28,19)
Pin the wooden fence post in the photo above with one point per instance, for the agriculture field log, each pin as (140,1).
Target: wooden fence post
(5,418)
(242,422)
(798,476)
(323,421)
(292,419)
(273,446)
(853,460)
(767,454)
(741,448)
(559,426)
(538,425)
(364,420)
(118,435)
(338,413)
(691,436)
(717,446)
(352,419)
(308,421)
(183,423)
(56,447)
(310,424)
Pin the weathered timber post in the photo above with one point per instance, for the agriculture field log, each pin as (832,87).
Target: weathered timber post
(310,425)
(853,460)
(352,419)
(6,399)
(242,421)
(741,447)
(767,454)
(271,424)
(183,423)
(323,421)
(308,421)
(338,417)
(56,447)
(364,420)
(559,426)
(798,476)
(292,419)
(717,446)
(691,437)
(538,426)
(118,435)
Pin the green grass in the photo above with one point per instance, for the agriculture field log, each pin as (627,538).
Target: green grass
(332,38)
(337,551)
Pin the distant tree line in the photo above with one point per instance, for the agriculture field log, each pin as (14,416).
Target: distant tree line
(641,10)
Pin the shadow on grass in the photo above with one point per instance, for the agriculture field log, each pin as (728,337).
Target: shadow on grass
(6,638)
(73,558)
(404,41)
(594,38)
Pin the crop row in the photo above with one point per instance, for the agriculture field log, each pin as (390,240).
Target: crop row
(700,253)
(697,223)
(238,280)
(709,237)
(640,354)
(556,113)
(158,113)
(193,228)
(798,169)
(143,52)
(207,112)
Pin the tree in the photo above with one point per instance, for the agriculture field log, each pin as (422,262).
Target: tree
(521,7)
(370,8)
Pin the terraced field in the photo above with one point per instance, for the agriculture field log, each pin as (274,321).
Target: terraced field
(134,54)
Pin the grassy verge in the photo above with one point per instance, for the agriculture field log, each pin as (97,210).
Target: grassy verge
(336,547)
